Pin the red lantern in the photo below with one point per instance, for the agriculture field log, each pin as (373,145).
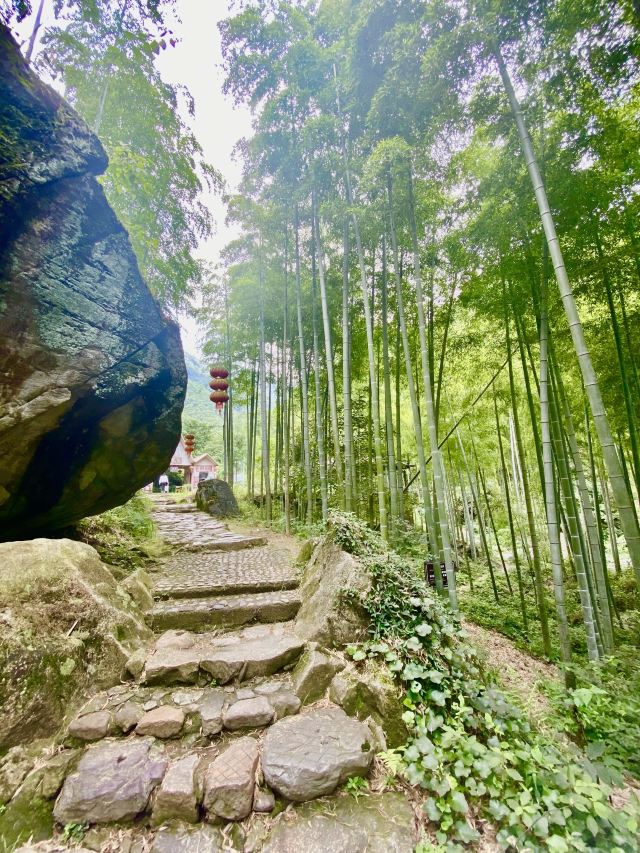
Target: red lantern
(219,384)
(218,371)
(189,442)
(219,398)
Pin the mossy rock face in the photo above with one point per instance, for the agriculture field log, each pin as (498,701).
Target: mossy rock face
(71,628)
(371,692)
(333,588)
(94,378)
(25,817)
(216,498)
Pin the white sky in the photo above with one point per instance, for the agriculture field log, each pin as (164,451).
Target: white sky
(218,124)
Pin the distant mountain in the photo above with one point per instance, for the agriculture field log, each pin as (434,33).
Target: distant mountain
(195,370)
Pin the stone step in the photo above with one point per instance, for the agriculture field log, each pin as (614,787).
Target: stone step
(215,573)
(196,614)
(306,757)
(180,657)
(192,712)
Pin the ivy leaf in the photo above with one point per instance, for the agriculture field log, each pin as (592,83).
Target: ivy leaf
(423,630)
(431,810)
(556,844)
(459,802)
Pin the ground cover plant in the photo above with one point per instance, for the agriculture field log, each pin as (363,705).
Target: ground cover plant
(470,750)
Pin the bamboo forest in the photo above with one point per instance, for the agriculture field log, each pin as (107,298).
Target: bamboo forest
(321,337)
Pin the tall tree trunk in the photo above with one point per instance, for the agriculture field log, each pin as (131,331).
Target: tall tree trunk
(533,534)
(382,504)
(436,456)
(614,469)
(349,459)
(512,529)
(303,377)
(285,388)
(263,401)
(549,486)
(322,459)
(626,390)
(328,348)
(393,488)
(34,33)
(413,397)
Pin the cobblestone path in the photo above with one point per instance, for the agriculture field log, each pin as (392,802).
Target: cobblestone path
(216,578)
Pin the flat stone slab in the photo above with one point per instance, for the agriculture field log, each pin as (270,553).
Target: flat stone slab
(376,823)
(259,569)
(203,839)
(197,531)
(309,755)
(224,611)
(229,781)
(113,782)
(258,650)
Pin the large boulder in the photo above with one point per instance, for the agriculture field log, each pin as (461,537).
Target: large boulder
(65,626)
(113,782)
(309,755)
(92,377)
(333,586)
(216,498)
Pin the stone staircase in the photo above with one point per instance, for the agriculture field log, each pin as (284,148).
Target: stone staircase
(216,578)
(221,729)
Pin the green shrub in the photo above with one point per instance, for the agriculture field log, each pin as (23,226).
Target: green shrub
(470,749)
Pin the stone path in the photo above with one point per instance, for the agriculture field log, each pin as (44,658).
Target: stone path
(221,726)
(216,578)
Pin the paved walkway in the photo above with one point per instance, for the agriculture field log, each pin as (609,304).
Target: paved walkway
(216,578)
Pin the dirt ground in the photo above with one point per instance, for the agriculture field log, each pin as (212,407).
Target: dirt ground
(518,672)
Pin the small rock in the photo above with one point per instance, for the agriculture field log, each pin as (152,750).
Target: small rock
(177,797)
(268,687)
(187,697)
(375,823)
(210,707)
(263,801)
(150,704)
(165,721)
(245,693)
(135,664)
(128,716)
(91,726)
(312,675)
(229,781)
(166,665)
(285,704)
(175,640)
(248,714)
(113,782)
(309,755)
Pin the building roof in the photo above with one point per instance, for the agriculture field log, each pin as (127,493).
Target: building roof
(200,458)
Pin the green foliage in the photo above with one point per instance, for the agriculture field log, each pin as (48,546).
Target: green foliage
(602,712)
(470,749)
(74,831)
(125,536)
(157,172)
(356,786)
